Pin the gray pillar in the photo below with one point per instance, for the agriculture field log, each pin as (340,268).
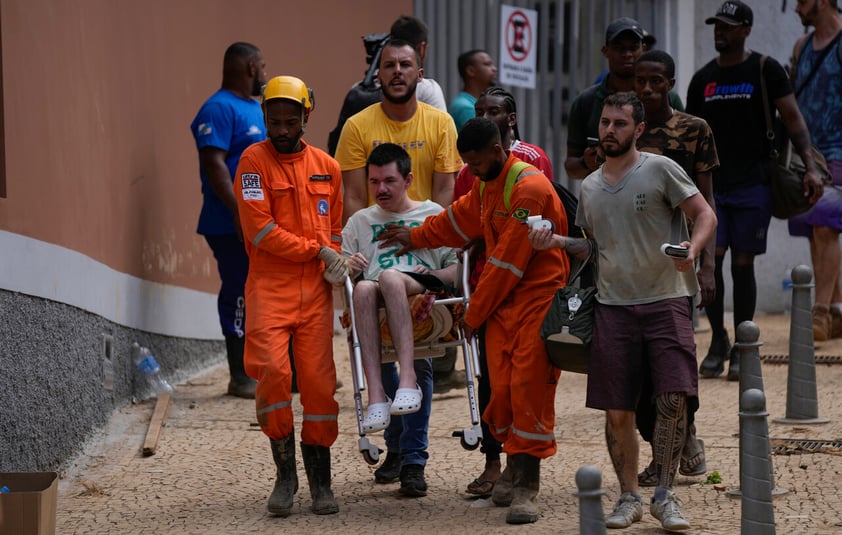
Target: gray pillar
(748,344)
(758,513)
(751,378)
(802,406)
(591,517)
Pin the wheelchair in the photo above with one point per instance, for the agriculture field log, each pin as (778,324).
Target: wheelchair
(447,332)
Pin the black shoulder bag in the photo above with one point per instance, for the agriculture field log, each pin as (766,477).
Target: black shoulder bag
(787,182)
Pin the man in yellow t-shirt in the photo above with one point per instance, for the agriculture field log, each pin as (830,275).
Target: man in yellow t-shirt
(427,134)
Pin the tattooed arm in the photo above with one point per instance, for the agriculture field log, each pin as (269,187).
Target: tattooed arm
(576,247)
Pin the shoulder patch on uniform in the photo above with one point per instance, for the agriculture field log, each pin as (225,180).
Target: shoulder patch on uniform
(521,214)
(251,187)
(204,129)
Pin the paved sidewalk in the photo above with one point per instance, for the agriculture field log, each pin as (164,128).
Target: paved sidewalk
(213,470)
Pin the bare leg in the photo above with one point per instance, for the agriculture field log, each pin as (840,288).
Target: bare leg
(670,430)
(622,447)
(366,295)
(827,256)
(395,287)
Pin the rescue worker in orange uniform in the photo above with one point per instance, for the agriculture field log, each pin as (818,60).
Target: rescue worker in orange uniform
(290,202)
(512,296)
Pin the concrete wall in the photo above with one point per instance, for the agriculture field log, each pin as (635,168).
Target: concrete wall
(53,361)
(100,190)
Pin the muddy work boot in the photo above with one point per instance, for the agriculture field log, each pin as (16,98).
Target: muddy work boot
(240,385)
(317,466)
(526,475)
(501,495)
(714,363)
(286,482)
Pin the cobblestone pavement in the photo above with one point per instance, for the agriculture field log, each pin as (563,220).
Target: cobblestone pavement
(213,469)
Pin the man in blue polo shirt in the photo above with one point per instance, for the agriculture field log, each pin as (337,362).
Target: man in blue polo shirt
(228,122)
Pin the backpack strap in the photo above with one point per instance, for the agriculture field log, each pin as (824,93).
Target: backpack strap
(517,171)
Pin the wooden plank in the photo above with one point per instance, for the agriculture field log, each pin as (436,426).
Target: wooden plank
(156,424)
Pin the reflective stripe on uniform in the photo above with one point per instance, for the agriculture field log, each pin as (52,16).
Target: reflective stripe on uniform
(455,226)
(319,417)
(263,232)
(274,407)
(501,430)
(334,237)
(533,436)
(505,265)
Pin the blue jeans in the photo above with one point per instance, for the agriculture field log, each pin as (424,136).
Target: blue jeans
(407,434)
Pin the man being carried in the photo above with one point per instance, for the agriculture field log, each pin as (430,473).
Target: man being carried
(389,279)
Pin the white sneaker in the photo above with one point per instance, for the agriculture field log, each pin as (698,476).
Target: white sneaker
(668,512)
(629,509)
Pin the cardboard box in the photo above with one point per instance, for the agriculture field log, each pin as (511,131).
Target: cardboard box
(29,508)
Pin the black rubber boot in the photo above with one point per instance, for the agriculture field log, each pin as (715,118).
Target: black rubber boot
(714,363)
(286,482)
(501,495)
(317,466)
(526,475)
(240,384)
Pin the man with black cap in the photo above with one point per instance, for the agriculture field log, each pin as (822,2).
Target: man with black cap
(623,45)
(727,94)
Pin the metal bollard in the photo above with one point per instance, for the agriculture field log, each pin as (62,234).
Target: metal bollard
(591,517)
(748,344)
(802,405)
(758,513)
(751,378)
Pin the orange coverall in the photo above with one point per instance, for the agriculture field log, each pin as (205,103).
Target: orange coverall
(512,296)
(290,205)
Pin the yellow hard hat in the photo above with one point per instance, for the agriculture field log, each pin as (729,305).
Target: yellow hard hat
(290,88)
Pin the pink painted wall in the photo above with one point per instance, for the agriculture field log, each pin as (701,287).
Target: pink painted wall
(98,96)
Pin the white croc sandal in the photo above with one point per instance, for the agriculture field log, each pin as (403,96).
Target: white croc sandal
(407,401)
(377,417)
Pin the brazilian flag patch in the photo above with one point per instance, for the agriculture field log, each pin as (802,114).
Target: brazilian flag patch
(521,214)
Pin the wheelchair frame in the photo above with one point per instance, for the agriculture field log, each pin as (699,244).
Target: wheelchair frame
(470,436)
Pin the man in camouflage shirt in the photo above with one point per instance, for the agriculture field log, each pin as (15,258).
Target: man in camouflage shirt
(688,141)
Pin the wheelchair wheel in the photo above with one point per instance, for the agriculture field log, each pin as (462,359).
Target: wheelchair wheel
(467,445)
(372,458)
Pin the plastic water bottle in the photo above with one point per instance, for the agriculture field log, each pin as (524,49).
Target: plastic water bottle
(786,290)
(149,367)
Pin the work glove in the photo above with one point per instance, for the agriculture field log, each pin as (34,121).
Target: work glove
(336,267)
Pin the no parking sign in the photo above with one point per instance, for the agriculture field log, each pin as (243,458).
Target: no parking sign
(518,46)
